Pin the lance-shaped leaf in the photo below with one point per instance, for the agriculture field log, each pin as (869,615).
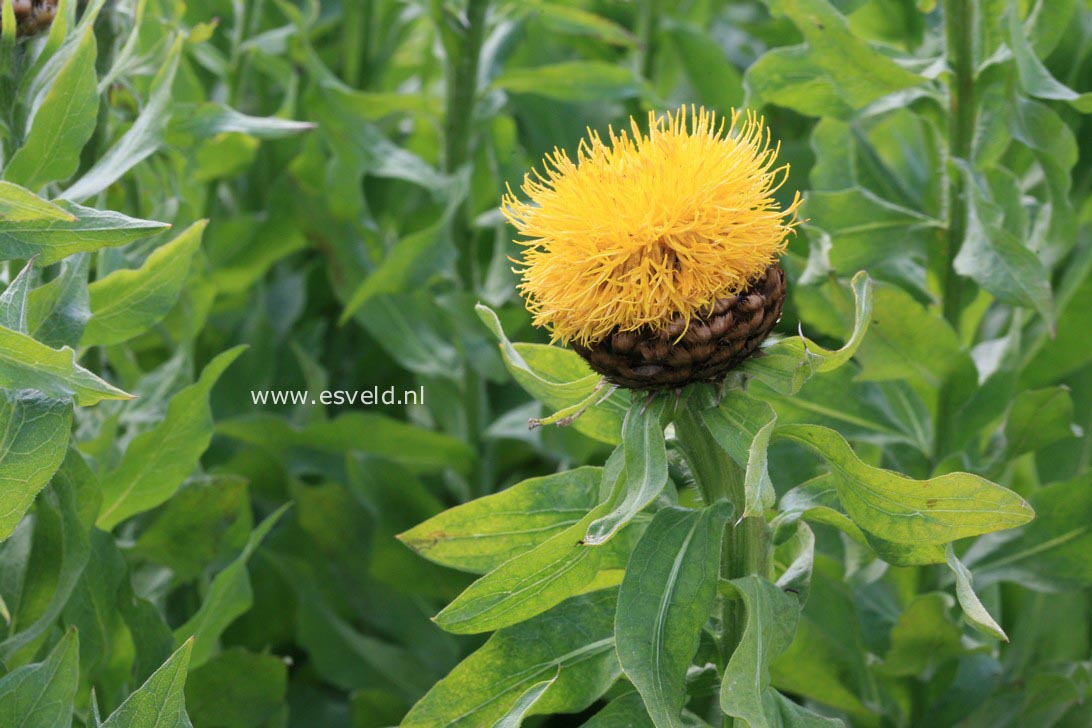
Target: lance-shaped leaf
(161,701)
(64,113)
(140,140)
(573,641)
(86,229)
(515,715)
(229,596)
(993,257)
(904,510)
(13,301)
(770,625)
(18,204)
(28,364)
(559,378)
(58,310)
(157,461)
(34,434)
(664,601)
(129,302)
(481,535)
(527,585)
(64,515)
(41,695)
(645,473)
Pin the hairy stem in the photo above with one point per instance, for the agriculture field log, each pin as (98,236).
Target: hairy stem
(745,548)
(959,40)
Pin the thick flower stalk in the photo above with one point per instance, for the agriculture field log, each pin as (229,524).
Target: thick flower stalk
(655,254)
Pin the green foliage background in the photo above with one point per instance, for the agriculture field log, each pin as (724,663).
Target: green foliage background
(200,199)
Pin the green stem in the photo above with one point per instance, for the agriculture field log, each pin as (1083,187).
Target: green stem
(648,21)
(357,45)
(745,549)
(959,42)
(465,43)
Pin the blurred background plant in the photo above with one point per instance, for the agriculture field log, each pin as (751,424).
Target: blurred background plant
(331,174)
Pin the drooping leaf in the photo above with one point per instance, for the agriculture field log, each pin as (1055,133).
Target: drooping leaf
(157,461)
(559,378)
(645,468)
(904,510)
(664,601)
(973,610)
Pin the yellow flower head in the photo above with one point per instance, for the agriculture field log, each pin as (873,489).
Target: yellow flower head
(650,226)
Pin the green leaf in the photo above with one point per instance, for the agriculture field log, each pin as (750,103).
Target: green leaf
(229,596)
(481,535)
(787,365)
(1035,79)
(645,468)
(514,717)
(579,81)
(574,21)
(789,76)
(13,301)
(771,622)
(528,584)
(742,426)
(908,511)
(210,119)
(1037,418)
(41,695)
(817,501)
(717,81)
(60,548)
(34,435)
(141,139)
(572,641)
(996,260)
(63,118)
(236,688)
(58,310)
(157,461)
(664,601)
(85,229)
(973,610)
(558,378)
(29,364)
(128,302)
(1053,552)
(18,204)
(868,229)
(858,73)
(160,702)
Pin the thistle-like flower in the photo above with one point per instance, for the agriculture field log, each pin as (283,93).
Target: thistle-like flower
(655,255)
